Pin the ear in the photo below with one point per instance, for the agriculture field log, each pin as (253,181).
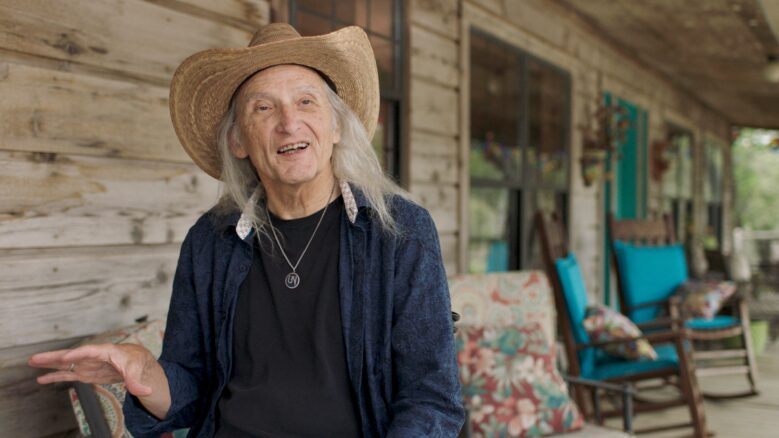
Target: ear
(236,148)
(337,134)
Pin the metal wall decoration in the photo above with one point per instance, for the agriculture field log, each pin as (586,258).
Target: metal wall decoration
(658,159)
(605,129)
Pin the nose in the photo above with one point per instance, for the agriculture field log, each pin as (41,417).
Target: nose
(289,120)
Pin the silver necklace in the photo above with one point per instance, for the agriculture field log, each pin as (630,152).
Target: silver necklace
(292,280)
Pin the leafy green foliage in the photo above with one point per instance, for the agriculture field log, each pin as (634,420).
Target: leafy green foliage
(756,177)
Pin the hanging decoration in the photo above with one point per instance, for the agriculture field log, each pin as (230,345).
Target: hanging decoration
(658,159)
(605,129)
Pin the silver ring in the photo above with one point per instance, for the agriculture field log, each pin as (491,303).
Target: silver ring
(72,365)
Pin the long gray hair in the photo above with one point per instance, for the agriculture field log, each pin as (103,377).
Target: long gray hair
(354,161)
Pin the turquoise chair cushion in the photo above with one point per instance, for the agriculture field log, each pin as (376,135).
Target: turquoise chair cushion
(575,294)
(649,273)
(718,322)
(608,367)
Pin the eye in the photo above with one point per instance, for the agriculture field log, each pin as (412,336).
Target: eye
(307,101)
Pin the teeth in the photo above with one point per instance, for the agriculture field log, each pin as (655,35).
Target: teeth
(291,147)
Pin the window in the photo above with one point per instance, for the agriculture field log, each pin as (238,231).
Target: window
(677,180)
(712,193)
(519,118)
(383,22)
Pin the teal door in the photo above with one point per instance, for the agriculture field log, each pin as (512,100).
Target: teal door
(625,195)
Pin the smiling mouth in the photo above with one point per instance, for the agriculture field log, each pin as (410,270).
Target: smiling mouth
(292,148)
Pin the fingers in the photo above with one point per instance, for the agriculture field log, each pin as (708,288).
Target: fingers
(99,352)
(48,359)
(61,359)
(58,376)
(136,388)
(97,363)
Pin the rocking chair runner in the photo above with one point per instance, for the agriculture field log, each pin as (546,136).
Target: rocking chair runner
(642,306)
(585,359)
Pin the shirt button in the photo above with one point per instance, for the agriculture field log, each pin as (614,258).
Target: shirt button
(243,268)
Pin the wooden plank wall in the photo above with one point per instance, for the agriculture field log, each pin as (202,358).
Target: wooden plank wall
(434,162)
(439,68)
(96,194)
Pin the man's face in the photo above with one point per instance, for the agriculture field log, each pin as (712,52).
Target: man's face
(286,127)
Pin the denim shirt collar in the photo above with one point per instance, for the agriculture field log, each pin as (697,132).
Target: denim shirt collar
(353,201)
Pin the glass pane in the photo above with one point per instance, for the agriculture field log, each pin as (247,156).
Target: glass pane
(361,13)
(324,7)
(548,201)
(685,168)
(495,111)
(672,155)
(345,10)
(547,101)
(711,238)
(384,51)
(383,140)
(379,140)
(382,17)
(488,244)
(309,24)
(712,185)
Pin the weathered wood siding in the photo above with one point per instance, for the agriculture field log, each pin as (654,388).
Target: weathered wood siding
(96,194)
(439,80)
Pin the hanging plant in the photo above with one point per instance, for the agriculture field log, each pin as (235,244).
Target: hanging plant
(605,129)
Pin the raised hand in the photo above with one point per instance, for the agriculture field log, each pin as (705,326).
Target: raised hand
(110,363)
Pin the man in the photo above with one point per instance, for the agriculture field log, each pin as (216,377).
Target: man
(312,301)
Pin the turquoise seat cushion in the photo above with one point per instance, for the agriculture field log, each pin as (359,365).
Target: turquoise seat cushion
(609,367)
(649,273)
(575,295)
(718,322)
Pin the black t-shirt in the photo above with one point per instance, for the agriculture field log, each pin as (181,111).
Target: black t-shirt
(289,374)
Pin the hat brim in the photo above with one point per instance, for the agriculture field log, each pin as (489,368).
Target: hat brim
(204,83)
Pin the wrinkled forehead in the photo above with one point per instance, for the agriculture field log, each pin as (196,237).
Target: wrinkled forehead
(318,78)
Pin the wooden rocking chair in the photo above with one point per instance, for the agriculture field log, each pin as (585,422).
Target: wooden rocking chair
(673,367)
(645,304)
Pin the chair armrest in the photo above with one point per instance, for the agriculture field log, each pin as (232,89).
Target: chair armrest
(655,303)
(661,322)
(606,386)
(654,338)
(626,390)
(92,411)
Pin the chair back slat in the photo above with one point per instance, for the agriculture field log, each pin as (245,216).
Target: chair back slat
(554,246)
(657,231)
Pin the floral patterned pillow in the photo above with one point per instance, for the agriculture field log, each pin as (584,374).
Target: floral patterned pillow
(510,384)
(111,396)
(703,299)
(604,324)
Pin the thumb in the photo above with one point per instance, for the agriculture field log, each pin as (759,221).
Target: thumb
(132,364)
(136,388)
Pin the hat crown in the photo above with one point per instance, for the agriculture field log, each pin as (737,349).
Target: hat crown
(274,32)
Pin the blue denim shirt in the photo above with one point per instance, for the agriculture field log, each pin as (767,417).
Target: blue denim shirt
(395,314)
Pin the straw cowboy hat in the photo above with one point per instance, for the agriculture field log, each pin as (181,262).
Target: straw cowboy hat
(205,82)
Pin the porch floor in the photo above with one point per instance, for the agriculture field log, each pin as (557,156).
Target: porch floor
(754,417)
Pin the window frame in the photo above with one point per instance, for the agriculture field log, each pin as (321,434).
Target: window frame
(523,191)
(681,208)
(397,159)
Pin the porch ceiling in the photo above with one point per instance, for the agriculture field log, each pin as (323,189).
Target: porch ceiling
(716,49)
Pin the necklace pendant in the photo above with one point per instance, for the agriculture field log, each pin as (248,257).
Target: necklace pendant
(292,280)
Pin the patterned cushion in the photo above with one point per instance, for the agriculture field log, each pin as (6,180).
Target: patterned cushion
(704,299)
(111,397)
(604,324)
(510,384)
(504,299)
